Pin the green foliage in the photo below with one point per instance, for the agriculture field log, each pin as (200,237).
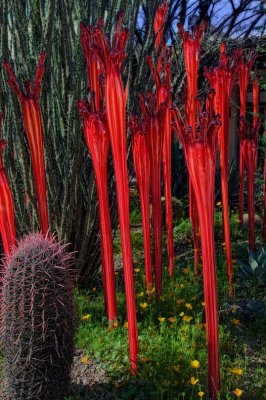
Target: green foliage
(255,268)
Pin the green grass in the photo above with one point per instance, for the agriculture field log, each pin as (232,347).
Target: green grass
(167,347)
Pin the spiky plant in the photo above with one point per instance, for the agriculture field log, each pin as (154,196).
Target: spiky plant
(37,319)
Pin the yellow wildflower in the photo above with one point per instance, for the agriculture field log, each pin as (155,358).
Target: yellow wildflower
(238,392)
(187,318)
(136,270)
(125,325)
(181,314)
(143,305)
(223,244)
(238,221)
(116,272)
(195,364)
(219,203)
(161,319)
(84,360)
(115,324)
(172,319)
(193,380)
(189,306)
(203,303)
(94,289)
(150,290)
(200,394)
(235,321)
(180,301)
(85,317)
(237,371)
(141,294)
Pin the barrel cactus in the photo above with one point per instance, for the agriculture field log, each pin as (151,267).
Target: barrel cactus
(37,319)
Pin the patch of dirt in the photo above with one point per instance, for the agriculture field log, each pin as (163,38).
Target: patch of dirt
(88,381)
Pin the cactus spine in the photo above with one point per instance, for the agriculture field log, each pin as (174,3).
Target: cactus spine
(37,322)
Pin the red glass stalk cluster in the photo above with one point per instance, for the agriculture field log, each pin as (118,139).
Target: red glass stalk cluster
(98,141)
(159,22)
(161,76)
(7,220)
(154,117)
(243,71)
(199,148)
(142,168)
(112,55)
(31,113)
(221,78)
(191,47)
(249,144)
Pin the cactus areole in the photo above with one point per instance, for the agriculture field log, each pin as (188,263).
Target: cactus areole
(7,220)
(199,152)
(112,56)
(36,319)
(33,126)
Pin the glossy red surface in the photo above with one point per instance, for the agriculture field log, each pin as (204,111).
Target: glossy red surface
(142,169)
(161,76)
(33,126)
(191,48)
(244,65)
(221,79)
(7,220)
(98,141)
(199,149)
(112,56)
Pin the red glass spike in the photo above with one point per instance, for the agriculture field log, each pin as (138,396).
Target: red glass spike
(161,76)
(31,113)
(159,21)
(221,78)
(191,48)
(142,169)
(98,141)
(244,65)
(199,150)
(112,56)
(154,118)
(7,220)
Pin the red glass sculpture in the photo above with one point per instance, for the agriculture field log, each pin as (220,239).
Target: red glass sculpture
(94,64)
(98,141)
(154,118)
(112,56)
(159,22)
(243,71)
(7,220)
(31,113)
(199,148)
(161,77)
(249,143)
(221,78)
(255,98)
(142,168)
(191,47)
